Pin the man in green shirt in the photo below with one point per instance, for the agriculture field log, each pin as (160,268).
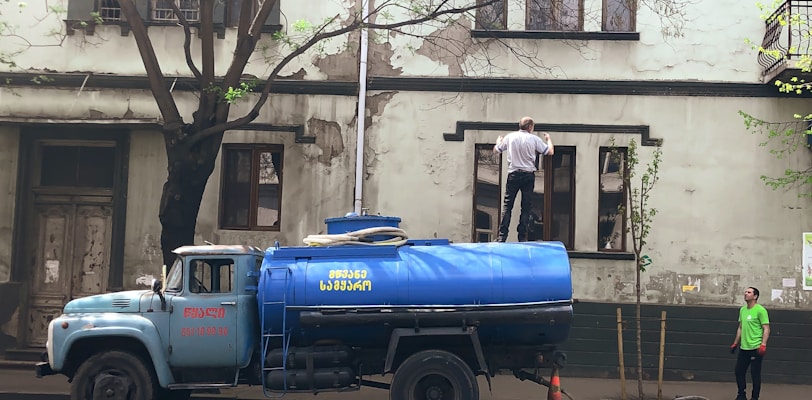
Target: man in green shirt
(753,332)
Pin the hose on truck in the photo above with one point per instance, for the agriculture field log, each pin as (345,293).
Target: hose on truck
(361,236)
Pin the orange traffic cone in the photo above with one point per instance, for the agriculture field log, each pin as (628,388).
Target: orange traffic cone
(555,386)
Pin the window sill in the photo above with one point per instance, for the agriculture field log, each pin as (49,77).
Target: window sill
(601,255)
(90,27)
(572,35)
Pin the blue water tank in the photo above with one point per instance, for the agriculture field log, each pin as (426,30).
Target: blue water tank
(514,292)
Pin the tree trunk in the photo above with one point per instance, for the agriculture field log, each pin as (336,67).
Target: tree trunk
(639,336)
(189,171)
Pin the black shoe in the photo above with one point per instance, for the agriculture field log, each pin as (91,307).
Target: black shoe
(742,397)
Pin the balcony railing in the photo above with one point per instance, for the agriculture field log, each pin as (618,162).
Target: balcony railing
(787,38)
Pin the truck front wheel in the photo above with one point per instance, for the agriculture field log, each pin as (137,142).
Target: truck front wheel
(434,375)
(114,375)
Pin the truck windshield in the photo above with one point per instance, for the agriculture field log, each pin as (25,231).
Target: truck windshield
(174,279)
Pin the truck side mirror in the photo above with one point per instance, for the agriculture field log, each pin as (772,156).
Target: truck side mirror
(156,286)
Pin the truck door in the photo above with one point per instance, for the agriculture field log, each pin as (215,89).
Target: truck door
(203,322)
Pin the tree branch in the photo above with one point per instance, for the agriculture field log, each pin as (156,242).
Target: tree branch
(187,40)
(317,37)
(166,104)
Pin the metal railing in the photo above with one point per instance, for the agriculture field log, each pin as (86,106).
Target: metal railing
(787,36)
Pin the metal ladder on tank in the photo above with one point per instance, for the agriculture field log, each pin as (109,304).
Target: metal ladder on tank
(268,336)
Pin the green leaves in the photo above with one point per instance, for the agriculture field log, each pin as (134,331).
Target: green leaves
(785,138)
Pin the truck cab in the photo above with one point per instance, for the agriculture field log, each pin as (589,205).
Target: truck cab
(197,329)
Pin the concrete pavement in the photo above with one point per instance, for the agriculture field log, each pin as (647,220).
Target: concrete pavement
(21,384)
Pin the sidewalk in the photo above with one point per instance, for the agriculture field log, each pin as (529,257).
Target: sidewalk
(22,384)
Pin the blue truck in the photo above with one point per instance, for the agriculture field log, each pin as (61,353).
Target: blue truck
(312,319)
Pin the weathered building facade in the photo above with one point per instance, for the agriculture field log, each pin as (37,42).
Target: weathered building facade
(82,160)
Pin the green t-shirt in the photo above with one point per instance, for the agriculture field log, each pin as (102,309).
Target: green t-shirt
(752,320)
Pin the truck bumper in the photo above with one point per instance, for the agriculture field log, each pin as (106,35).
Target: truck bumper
(44,369)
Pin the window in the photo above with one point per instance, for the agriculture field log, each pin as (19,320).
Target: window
(492,16)
(211,276)
(109,10)
(611,197)
(555,15)
(162,10)
(487,193)
(251,195)
(78,166)
(553,203)
(619,15)
(552,212)
(234,6)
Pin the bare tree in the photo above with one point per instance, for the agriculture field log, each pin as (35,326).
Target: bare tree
(192,146)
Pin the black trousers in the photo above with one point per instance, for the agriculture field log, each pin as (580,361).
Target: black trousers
(748,358)
(517,181)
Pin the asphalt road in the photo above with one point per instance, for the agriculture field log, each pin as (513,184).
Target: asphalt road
(18,384)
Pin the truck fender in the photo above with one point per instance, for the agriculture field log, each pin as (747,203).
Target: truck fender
(470,331)
(143,331)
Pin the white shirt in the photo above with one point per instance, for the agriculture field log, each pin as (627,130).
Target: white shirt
(522,147)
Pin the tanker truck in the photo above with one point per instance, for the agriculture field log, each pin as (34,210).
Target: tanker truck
(426,316)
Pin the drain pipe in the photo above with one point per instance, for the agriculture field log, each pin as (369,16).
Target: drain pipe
(362,106)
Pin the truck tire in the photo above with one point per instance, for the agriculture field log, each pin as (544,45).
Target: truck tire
(122,375)
(434,375)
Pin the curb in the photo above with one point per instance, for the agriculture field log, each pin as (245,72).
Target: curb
(22,365)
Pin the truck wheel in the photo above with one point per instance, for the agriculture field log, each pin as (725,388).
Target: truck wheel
(114,375)
(434,375)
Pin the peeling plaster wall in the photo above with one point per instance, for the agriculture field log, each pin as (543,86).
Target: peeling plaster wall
(9,291)
(9,150)
(716,222)
(317,178)
(146,176)
(711,48)
(91,53)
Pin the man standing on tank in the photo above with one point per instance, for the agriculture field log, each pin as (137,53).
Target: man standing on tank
(753,332)
(522,147)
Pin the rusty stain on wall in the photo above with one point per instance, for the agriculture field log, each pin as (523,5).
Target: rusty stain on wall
(449,46)
(328,138)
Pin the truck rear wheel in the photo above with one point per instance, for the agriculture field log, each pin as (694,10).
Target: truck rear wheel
(434,375)
(114,375)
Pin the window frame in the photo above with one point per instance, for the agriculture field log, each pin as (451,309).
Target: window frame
(495,227)
(255,149)
(623,198)
(632,16)
(556,6)
(546,164)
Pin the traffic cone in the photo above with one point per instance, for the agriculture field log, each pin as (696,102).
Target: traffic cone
(555,386)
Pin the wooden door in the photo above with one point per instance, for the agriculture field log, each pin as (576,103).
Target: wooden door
(73,220)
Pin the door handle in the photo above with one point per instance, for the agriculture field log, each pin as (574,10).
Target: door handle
(228,303)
